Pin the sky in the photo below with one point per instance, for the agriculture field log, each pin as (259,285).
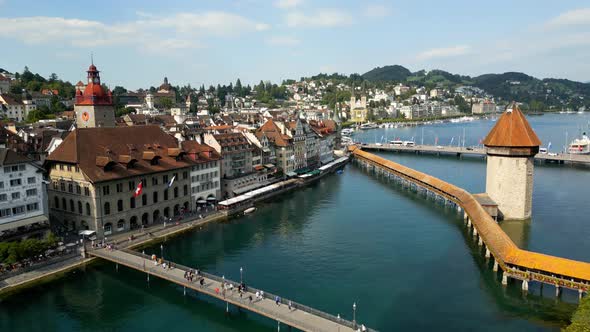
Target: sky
(137,43)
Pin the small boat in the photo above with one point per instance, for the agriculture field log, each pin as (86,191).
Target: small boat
(339,171)
(347,131)
(368,125)
(249,210)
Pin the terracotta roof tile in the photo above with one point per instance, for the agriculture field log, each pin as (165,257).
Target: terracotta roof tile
(512,130)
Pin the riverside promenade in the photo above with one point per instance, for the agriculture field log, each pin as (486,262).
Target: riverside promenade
(298,316)
(560,158)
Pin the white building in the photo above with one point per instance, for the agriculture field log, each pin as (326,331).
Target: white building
(12,109)
(205,175)
(23,199)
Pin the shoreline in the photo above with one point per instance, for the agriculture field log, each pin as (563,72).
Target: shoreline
(34,278)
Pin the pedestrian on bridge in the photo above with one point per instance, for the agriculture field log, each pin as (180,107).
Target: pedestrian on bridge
(278,300)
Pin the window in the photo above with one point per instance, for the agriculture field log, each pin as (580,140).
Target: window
(154,181)
(16,195)
(33,207)
(131,185)
(77,169)
(31,192)
(56,202)
(155,197)
(185,190)
(3,197)
(1,184)
(107,208)
(5,213)
(78,189)
(69,168)
(119,187)
(7,169)
(175,192)
(62,186)
(21,167)
(80,207)
(106,190)
(144,183)
(144,199)
(15,182)
(72,205)
(61,167)
(87,208)
(165,194)
(185,175)
(70,188)
(86,191)
(120,205)
(18,210)
(165,179)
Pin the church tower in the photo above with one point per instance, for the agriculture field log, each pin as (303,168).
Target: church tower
(510,147)
(94,106)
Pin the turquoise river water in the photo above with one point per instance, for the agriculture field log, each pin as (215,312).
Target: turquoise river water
(405,261)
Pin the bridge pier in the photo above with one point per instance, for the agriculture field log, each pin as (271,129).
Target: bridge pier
(580,294)
(488,254)
(474,231)
(480,241)
(557,290)
(495,268)
(525,286)
(504,279)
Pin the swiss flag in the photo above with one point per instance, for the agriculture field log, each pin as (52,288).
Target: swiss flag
(138,190)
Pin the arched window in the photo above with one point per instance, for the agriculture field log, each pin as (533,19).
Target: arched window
(108,228)
(144,199)
(72,205)
(107,208)
(175,192)
(120,205)
(64,204)
(56,202)
(132,202)
(80,207)
(155,196)
(165,194)
(120,225)
(87,208)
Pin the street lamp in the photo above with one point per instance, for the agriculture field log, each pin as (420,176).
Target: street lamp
(241,276)
(354,314)
(162,251)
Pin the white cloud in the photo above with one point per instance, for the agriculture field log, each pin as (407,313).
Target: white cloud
(377,11)
(321,18)
(283,41)
(179,31)
(286,4)
(444,52)
(572,17)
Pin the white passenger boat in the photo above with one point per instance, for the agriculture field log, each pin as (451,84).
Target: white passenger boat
(368,125)
(580,145)
(347,131)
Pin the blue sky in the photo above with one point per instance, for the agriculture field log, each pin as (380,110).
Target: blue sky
(137,43)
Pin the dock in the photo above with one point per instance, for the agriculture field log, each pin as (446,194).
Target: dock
(559,158)
(298,316)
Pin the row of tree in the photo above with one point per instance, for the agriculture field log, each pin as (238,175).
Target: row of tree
(14,252)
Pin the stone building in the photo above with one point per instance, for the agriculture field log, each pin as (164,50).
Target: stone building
(510,147)
(205,175)
(93,105)
(484,107)
(96,172)
(358,109)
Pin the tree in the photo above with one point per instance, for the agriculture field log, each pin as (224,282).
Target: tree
(166,103)
(238,88)
(119,90)
(53,77)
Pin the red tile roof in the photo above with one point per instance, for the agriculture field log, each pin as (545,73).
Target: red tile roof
(512,130)
(273,133)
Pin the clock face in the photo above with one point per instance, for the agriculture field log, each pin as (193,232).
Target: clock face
(85,116)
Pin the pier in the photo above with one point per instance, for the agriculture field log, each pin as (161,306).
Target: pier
(298,316)
(560,158)
(498,248)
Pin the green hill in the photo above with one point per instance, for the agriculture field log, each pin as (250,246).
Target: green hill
(388,73)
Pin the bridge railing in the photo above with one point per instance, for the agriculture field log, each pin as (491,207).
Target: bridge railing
(267,295)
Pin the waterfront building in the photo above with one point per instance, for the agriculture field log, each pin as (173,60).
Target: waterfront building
(358,109)
(312,146)
(280,142)
(94,106)
(297,132)
(510,147)
(484,107)
(96,173)
(23,198)
(205,174)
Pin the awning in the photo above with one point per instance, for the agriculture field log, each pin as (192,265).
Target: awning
(291,174)
(201,201)
(23,222)
(211,198)
(269,166)
(86,233)
(251,187)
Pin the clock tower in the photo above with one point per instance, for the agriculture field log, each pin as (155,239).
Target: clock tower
(94,106)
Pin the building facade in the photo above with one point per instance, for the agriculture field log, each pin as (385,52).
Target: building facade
(23,199)
(205,174)
(95,177)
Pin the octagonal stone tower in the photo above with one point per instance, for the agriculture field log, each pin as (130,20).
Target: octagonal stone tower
(510,147)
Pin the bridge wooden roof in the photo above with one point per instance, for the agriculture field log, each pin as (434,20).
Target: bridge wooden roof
(512,130)
(497,241)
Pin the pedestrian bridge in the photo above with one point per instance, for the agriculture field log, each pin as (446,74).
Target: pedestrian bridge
(515,263)
(298,316)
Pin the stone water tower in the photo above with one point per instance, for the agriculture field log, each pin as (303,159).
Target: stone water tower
(510,147)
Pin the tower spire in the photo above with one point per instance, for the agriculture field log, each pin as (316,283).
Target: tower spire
(91,58)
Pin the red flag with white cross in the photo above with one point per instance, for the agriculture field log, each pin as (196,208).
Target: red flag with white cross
(138,190)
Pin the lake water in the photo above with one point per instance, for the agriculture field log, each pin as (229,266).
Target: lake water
(406,262)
